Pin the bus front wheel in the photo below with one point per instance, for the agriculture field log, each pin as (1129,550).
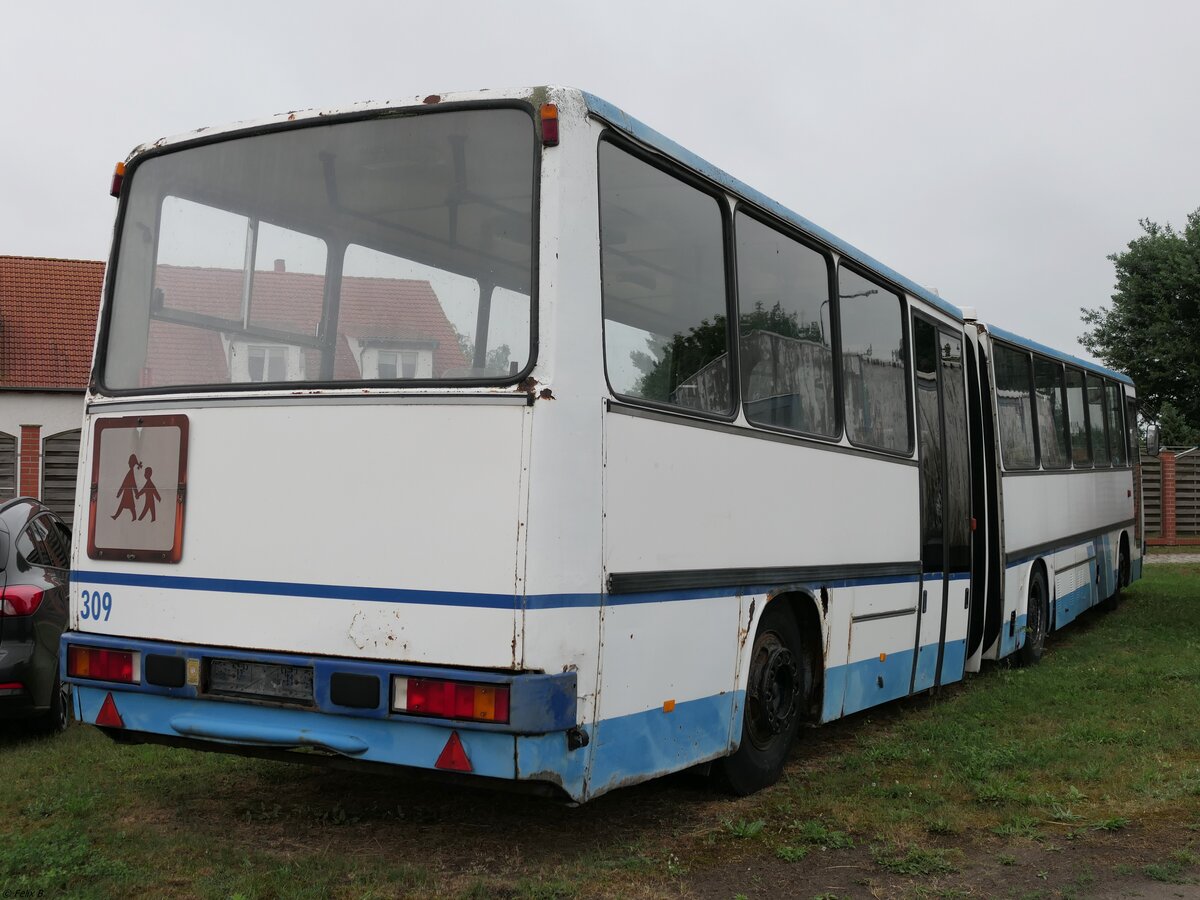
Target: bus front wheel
(777,692)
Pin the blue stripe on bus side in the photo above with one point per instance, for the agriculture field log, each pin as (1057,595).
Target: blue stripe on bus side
(438,598)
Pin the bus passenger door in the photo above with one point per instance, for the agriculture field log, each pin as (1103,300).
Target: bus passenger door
(942,442)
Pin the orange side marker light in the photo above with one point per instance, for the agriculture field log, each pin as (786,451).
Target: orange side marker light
(549,117)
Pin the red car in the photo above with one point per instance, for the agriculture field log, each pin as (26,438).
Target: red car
(35,555)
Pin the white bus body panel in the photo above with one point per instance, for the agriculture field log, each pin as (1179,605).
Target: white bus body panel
(342,496)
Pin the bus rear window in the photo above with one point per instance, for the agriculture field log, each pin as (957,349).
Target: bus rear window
(386,250)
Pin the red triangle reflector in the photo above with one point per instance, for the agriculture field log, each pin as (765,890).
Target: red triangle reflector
(453,757)
(108,716)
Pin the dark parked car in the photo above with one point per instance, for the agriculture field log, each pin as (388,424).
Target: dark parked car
(35,558)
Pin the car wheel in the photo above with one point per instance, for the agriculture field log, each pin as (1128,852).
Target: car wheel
(777,692)
(55,721)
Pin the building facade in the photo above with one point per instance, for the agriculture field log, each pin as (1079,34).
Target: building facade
(47,326)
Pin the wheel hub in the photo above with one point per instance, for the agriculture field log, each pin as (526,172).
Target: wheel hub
(774,694)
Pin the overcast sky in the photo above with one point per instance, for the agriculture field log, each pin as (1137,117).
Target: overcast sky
(995,151)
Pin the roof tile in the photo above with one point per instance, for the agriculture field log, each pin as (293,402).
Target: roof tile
(47,321)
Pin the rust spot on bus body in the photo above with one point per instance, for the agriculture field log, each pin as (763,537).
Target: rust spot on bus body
(431,99)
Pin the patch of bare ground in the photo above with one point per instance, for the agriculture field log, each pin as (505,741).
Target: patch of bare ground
(1095,865)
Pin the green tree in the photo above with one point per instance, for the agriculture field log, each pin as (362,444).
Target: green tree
(1152,329)
(665,366)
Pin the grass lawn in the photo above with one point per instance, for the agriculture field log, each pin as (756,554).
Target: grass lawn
(1079,775)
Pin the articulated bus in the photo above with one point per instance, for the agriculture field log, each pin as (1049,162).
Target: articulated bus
(496,435)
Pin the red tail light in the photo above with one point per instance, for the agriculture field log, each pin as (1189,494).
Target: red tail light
(102,665)
(451,699)
(20,600)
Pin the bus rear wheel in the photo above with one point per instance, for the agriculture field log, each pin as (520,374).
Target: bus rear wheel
(777,692)
(1114,600)
(1037,620)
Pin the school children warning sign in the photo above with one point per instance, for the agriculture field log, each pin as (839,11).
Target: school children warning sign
(138,489)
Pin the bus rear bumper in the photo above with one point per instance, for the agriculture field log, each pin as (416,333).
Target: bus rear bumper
(540,743)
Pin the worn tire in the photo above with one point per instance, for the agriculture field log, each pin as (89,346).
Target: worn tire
(777,693)
(1123,572)
(55,721)
(1037,620)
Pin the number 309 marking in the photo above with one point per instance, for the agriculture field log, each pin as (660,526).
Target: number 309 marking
(93,604)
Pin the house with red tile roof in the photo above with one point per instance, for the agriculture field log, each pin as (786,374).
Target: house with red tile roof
(387,328)
(47,327)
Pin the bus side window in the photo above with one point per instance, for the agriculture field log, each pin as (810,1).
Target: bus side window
(662,255)
(785,331)
(1081,448)
(1014,408)
(1051,413)
(1116,428)
(874,363)
(1097,422)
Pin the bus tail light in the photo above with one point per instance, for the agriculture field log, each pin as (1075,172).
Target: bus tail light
(20,600)
(102,665)
(549,116)
(118,177)
(450,699)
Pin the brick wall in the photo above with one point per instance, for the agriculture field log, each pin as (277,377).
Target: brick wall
(29,465)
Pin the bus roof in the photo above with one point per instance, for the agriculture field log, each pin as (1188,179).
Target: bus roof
(1027,344)
(619,119)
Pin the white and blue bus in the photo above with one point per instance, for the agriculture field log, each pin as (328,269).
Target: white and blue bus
(495,434)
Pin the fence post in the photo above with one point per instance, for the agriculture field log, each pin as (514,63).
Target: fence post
(29,478)
(1167,458)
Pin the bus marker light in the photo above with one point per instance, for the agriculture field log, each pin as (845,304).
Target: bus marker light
(118,177)
(549,116)
(668,706)
(453,756)
(882,657)
(108,715)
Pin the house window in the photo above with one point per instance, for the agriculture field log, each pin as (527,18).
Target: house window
(398,363)
(391,363)
(267,364)
(264,363)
